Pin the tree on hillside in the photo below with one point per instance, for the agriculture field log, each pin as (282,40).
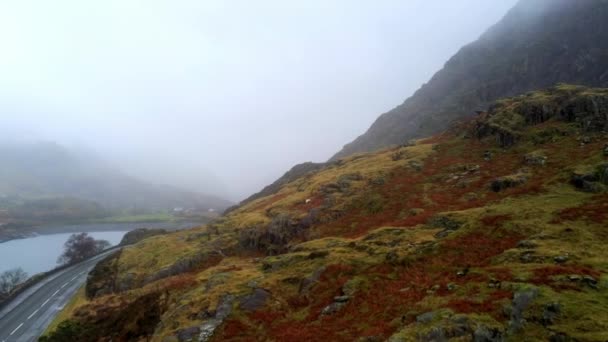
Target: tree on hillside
(9,280)
(81,246)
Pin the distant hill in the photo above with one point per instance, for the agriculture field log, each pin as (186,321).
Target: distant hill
(538,44)
(38,173)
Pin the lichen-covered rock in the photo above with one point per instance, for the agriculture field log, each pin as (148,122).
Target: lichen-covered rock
(527,244)
(188,334)
(425,317)
(445,222)
(560,259)
(521,301)
(307,283)
(224,308)
(274,237)
(506,119)
(535,159)
(591,178)
(485,334)
(255,300)
(506,182)
(183,265)
(137,235)
(332,308)
(550,313)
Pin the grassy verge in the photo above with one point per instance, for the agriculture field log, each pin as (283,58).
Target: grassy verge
(76,301)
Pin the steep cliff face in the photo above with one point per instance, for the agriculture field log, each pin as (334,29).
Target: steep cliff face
(537,44)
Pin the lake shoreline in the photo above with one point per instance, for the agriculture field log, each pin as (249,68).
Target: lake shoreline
(33,231)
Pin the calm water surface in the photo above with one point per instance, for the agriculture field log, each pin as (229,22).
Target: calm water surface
(38,254)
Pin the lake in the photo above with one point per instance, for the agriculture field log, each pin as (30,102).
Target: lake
(39,253)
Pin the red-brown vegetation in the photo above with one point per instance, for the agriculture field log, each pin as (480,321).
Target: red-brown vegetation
(394,290)
(495,221)
(546,275)
(596,211)
(268,202)
(487,305)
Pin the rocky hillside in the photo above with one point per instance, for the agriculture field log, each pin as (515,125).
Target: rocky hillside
(538,44)
(493,230)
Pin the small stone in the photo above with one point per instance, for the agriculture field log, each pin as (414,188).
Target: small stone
(188,334)
(526,244)
(494,284)
(472,168)
(392,257)
(417,166)
(606,150)
(205,314)
(332,309)
(487,155)
(318,254)
(559,337)
(452,287)
(535,158)
(574,277)
(551,311)
(590,281)
(415,211)
(527,257)
(560,259)
(425,317)
(485,334)
(341,299)
(460,319)
(442,234)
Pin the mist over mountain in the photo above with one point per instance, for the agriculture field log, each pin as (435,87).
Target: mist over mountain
(47,169)
(537,44)
(219,96)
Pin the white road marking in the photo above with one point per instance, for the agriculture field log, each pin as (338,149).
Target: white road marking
(64,285)
(33,313)
(46,301)
(74,278)
(56,292)
(17,328)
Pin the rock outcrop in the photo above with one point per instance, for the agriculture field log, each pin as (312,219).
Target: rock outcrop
(519,54)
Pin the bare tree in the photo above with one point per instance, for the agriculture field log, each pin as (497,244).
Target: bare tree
(9,280)
(81,246)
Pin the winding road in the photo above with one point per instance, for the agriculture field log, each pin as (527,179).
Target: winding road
(26,317)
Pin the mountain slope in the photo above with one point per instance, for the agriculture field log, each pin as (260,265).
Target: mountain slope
(538,44)
(48,170)
(494,230)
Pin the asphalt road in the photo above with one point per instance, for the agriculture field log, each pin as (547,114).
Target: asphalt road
(29,314)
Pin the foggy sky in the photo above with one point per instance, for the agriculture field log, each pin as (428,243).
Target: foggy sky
(216,95)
